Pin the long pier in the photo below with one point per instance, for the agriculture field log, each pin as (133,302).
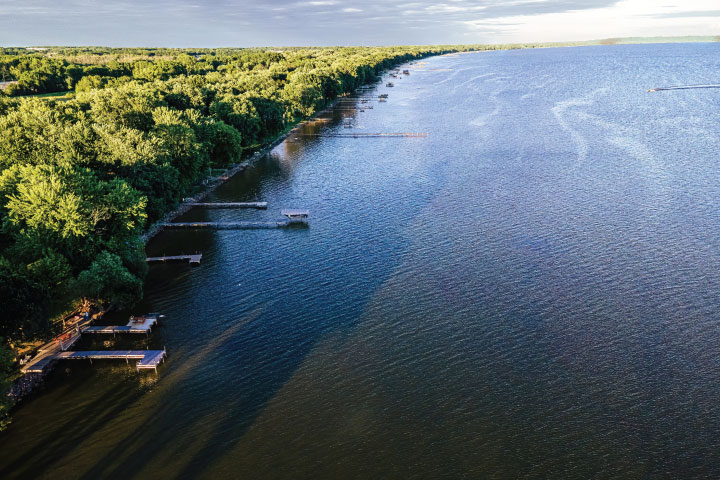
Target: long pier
(257,205)
(362,135)
(114,329)
(192,259)
(229,225)
(142,324)
(683,87)
(294,217)
(147,359)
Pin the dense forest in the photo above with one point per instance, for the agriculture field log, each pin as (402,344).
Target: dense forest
(134,130)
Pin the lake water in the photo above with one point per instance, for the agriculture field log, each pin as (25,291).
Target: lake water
(532,291)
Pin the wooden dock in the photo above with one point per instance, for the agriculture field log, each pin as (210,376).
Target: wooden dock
(363,135)
(228,225)
(113,329)
(294,217)
(141,324)
(46,354)
(192,259)
(57,349)
(258,205)
(683,87)
(147,359)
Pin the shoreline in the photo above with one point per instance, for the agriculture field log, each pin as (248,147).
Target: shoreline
(154,229)
(229,173)
(28,383)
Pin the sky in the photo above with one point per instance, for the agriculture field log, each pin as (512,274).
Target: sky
(246,23)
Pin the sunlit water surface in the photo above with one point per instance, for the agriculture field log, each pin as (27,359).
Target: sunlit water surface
(532,291)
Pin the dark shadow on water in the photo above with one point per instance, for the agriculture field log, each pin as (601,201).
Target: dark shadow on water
(259,359)
(161,430)
(68,435)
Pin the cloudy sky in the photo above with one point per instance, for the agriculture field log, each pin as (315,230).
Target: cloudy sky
(211,23)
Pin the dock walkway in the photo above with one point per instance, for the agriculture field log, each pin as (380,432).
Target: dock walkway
(147,359)
(363,135)
(683,87)
(135,325)
(258,205)
(192,259)
(47,352)
(229,225)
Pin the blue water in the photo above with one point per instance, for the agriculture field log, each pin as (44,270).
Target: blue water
(529,292)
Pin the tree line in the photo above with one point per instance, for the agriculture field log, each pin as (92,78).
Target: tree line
(82,177)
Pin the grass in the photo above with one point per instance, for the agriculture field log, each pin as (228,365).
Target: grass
(61,96)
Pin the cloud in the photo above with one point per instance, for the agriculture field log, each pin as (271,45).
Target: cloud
(624,18)
(445,8)
(330,22)
(318,3)
(696,14)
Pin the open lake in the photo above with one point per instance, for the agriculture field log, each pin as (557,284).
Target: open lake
(531,291)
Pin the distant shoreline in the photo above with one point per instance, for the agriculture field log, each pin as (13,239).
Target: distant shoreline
(529,44)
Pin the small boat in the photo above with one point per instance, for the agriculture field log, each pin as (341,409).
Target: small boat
(389,84)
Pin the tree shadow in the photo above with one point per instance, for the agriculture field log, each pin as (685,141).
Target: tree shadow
(69,435)
(166,422)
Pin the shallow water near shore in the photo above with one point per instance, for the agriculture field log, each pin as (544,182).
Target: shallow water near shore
(529,292)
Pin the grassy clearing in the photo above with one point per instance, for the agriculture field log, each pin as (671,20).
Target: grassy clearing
(61,96)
